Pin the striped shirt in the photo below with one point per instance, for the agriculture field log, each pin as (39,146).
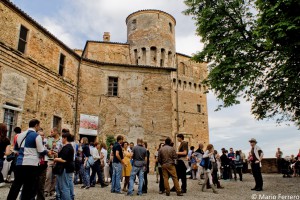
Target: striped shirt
(31,148)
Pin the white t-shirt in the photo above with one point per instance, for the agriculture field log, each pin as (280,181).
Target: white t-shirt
(104,152)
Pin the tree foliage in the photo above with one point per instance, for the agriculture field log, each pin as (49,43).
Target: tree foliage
(253,51)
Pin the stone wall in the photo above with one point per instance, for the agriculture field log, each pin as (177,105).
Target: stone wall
(29,81)
(269,165)
(142,109)
(191,93)
(41,46)
(35,91)
(107,52)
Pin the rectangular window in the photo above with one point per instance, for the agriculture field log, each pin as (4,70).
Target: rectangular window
(112,86)
(199,108)
(61,64)
(22,39)
(57,122)
(10,119)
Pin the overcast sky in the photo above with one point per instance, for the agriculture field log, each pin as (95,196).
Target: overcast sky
(74,22)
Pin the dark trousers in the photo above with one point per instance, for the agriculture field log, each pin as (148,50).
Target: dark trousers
(256,171)
(1,167)
(25,176)
(145,184)
(96,169)
(232,170)
(226,172)
(181,173)
(239,171)
(40,192)
(161,180)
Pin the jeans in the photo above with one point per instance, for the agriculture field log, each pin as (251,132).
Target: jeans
(85,174)
(96,168)
(64,186)
(116,177)
(1,167)
(140,172)
(256,171)
(25,176)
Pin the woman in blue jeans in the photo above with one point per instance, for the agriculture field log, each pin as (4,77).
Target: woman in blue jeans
(84,171)
(64,183)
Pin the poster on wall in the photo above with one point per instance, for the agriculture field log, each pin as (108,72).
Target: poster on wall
(88,125)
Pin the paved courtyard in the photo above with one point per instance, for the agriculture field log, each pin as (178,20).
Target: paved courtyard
(275,187)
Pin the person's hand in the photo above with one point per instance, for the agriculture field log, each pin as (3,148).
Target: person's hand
(257,161)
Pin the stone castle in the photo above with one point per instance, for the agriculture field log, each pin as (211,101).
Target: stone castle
(141,88)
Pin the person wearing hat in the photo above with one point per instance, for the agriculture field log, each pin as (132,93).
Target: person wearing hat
(256,157)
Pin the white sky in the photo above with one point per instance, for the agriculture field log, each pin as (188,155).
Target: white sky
(74,22)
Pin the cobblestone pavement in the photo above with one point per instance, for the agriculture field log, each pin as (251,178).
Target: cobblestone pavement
(275,187)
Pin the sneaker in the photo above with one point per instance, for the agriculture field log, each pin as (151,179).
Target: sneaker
(119,193)
(82,187)
(2,184)
(86,188)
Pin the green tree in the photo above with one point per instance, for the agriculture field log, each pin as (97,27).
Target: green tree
(253,51)
(110,139)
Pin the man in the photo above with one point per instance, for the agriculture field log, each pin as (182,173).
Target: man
(181,167)
(146,172)
(139,155)
(131,145)
(278,156)
(42,172)
(231,156)
(198,155)
(166,157)
(54,143)
(256,158)
(117,165)
(29,146)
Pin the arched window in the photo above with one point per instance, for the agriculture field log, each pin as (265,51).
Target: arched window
(171,27)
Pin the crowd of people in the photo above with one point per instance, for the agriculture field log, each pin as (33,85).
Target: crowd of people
(289,166)
(51,166)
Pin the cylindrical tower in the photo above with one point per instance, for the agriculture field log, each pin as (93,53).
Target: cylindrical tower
(151,35)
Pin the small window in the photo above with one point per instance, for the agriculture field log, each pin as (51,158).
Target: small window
(171,27)
(199,108)
(133,23)
(10,119)
(22,39)
(112,86)
(61,64)
(57,123)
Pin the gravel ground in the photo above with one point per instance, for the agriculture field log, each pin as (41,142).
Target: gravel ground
(275,187)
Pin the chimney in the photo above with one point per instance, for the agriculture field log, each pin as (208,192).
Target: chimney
(106,37)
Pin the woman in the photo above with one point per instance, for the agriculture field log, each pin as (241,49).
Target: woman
(85,171)
(161,178)
(4,150)
(64,183)
(209,158)
(96,168)
(103,159)
(127,166)
(239,164)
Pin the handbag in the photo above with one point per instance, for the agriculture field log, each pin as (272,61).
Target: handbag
(58,168)
(11,157)
(90,162)
(202,163)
